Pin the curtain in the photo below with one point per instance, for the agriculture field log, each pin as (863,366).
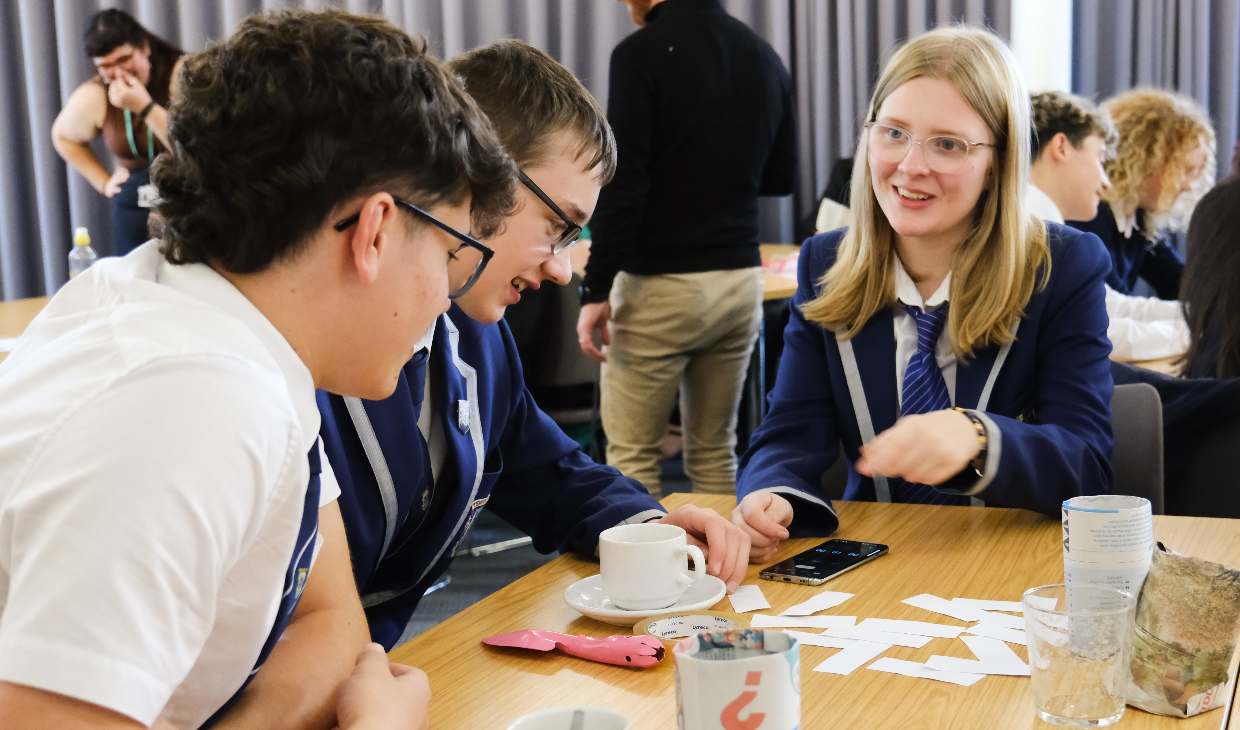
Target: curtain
(833,48)
(1190,46)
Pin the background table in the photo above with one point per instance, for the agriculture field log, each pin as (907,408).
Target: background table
(16,314)
(950,551)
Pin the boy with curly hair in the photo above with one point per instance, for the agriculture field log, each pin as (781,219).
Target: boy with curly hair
(165,513)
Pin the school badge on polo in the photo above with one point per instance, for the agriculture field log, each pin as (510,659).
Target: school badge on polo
(462,415)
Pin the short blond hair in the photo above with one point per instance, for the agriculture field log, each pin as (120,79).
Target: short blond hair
(997,267)
(1157,131)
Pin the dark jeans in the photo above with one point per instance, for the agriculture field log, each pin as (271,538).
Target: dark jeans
(128,220)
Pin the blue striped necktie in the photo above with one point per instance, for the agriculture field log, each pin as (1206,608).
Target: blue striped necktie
(925,391)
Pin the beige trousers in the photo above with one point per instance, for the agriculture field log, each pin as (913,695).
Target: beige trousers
(692,332)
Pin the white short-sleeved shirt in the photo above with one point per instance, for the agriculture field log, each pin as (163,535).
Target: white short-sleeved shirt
(154,432)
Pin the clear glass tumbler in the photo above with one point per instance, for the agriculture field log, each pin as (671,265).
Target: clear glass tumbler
(1078,652)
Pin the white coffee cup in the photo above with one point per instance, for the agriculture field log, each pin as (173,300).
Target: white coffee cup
(643,566)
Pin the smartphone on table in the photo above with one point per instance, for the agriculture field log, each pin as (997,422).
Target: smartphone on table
(823,562)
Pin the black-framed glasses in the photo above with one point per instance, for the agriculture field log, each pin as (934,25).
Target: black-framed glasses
(944,153)
(572,231)
(465,263)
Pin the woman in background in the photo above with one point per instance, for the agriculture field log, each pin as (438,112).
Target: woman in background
(1163,164)
(1211,295)
(127,102)
(946,292)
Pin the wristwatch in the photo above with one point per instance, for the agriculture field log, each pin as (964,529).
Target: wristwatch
(978,462)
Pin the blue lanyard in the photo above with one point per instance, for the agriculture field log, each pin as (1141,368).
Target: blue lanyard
(150,138)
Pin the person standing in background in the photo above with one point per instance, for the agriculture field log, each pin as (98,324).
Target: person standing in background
(127,102)
(702,112)
(1163,164)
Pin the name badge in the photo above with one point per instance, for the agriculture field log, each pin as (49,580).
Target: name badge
(462,415)
(148,196)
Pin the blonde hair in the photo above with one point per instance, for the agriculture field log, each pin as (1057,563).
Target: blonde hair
(996,269)
(1158,129)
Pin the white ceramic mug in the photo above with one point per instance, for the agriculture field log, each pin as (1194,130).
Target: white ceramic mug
(643,566)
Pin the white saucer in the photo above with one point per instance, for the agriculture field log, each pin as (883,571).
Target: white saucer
(587,597)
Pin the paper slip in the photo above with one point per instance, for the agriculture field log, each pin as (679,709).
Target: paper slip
(748,598)
(1006,620)
(820,602)
(985,605)
(846,661)
(919,628)
(931,602)
(8,344)
(879,637)
(766,621)
(976,666)
(831,642)
(991,650)
(913,669)
(1003,633)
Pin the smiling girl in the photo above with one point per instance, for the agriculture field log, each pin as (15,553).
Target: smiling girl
(952,344)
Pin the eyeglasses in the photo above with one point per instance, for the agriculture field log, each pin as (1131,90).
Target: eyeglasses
(465,263)
(944,153)
(572,231)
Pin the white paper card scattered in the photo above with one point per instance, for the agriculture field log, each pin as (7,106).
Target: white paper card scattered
(919,628)
(976,666)
(1003,633)
(930,602)
(1004,619)
(913,669)
(879,637)
(986,605)
(8,344)
(820,602)
(748,598)
(991,650)
(848,660)
(826,640)
(766,621)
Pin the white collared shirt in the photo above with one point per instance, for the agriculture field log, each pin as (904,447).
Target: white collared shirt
(153,474)
(906,329)
(1140,328)
(431,428)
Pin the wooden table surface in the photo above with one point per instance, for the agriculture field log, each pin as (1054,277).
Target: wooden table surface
(15,315)
(949,551)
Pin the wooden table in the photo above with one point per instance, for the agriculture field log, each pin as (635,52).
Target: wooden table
(950,551)
(777,286)
(16,314)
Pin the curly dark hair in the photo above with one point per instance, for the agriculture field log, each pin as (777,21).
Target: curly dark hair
(1075,116)
(529,96)
(298,112)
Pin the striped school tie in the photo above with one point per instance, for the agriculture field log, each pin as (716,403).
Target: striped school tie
(924,391)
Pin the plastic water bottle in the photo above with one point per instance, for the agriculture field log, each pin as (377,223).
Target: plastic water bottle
(82,255)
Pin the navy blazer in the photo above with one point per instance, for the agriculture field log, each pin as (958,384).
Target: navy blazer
(503,453)
(1136,257)
(1048,411)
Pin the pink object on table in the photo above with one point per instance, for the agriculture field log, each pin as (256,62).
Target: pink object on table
(623,651)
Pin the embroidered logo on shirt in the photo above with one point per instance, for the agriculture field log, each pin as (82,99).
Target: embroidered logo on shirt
(462,415)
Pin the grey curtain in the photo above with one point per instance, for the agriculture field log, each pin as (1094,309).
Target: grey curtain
(1191,46)
(834,49)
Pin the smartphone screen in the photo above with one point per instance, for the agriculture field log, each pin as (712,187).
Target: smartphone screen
(823,562)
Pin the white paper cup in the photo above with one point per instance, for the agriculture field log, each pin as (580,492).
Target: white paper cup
(745,678)
(562,718)
(643,566)
(1108,541)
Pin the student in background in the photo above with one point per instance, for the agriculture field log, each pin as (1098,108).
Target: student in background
(462,431)
(168,531)
(1072,140)
(127,102)
(1211,294)
(1164,162)
(946,292)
